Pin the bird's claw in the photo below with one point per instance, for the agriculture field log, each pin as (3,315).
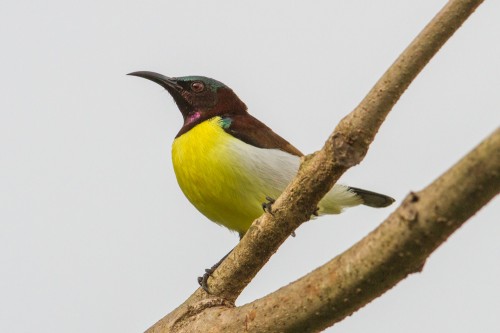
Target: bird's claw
(316,212)
(268,205)
(202,280)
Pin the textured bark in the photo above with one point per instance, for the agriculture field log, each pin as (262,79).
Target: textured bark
(376,263)
(398,247)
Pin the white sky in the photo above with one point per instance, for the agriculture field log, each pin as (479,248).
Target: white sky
(95,235)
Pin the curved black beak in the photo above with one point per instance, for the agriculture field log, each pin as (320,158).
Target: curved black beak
(166,82)
(171,85)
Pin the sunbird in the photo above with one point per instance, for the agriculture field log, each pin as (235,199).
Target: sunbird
(230,165)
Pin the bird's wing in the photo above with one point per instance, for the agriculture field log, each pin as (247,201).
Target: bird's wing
(250,130)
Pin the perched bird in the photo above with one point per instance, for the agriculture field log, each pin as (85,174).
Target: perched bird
(228,163)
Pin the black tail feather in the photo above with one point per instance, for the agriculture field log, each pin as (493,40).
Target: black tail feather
(373,199)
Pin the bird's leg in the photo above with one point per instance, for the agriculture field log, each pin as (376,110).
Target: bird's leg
(202,280)
(268,205)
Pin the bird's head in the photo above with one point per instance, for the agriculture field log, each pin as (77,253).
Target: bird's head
(198,97)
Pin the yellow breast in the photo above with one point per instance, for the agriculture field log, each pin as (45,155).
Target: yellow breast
(212,170)
(227,180)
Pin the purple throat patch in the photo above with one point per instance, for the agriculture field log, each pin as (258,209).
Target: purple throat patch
(193,117)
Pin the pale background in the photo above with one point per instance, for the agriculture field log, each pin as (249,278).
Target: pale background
(95,235)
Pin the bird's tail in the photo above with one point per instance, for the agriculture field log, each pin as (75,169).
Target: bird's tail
(372,199)
(341,196)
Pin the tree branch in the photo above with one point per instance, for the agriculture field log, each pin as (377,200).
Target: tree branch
(398,247)
(346,147)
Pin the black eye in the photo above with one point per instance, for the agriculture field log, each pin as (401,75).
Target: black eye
(197,86)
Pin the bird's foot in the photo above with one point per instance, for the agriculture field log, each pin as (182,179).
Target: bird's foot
(203,280)
(268,205)
(316,212)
